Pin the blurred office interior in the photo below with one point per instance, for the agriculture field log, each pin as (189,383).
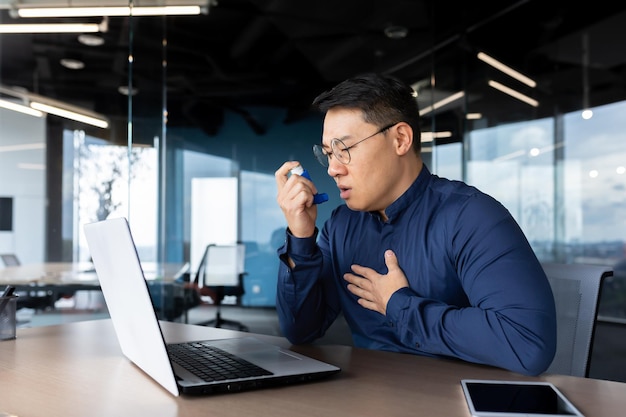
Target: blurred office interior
(225,94)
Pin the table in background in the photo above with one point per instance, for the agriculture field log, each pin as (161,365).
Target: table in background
(78,370)
(66,278)
(74,273)
(40,285)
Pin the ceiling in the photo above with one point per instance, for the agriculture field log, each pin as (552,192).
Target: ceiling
(282,53)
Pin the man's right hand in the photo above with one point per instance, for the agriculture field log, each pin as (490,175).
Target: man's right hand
(295,199)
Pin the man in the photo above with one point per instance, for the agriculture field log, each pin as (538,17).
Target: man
(416,263)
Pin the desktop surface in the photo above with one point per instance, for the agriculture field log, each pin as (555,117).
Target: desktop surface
(78,369)
(68,273)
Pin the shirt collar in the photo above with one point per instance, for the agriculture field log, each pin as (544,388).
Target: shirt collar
(411,195)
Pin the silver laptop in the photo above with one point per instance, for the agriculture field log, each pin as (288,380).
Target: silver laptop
(140,337)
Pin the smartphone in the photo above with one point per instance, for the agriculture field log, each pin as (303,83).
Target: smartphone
(490,398)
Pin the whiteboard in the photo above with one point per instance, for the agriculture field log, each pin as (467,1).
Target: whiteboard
(214,215)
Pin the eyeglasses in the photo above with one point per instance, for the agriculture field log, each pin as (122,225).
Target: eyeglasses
(339,149)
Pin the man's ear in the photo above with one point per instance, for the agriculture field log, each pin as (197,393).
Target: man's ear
(403,138)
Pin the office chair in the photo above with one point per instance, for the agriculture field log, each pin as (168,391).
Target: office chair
(9,259)
(577,289)
(221,271)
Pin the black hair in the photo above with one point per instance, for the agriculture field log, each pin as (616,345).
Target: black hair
(383,99)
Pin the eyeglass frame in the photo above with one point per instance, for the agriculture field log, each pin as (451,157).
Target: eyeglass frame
(323,157)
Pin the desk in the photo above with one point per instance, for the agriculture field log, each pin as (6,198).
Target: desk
(78,370)
(56,278)
(33,276)
(45,274)
(47,281)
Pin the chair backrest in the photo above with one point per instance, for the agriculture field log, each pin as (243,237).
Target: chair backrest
(576,289)
(9,259)
(223,265)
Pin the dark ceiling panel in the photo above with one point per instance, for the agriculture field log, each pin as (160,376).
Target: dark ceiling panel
(282,53)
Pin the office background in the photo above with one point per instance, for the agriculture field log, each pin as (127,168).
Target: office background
(562,176)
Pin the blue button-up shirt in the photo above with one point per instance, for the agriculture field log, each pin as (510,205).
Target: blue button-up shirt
(476,289)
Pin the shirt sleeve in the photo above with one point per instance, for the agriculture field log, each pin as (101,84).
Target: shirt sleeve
(305,301)
(510,321)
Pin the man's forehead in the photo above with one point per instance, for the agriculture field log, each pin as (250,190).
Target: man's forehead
(343,125)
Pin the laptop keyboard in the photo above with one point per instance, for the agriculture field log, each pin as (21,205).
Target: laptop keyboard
(211,363)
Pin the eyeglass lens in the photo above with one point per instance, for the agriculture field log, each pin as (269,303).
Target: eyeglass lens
(321,155)
(339,149)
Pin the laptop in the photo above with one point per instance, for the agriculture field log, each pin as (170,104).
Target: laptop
(139,333)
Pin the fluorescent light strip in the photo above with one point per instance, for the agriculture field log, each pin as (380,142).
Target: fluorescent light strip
(473,116)
(507,70)
(38,167)
(50,28)
(20,108)
(513,93)
(23,147)
(430,136)
(107,11)
(522,152)
(70,114)
(442,102)
(512,155)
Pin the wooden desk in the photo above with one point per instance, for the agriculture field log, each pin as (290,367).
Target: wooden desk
(78,370)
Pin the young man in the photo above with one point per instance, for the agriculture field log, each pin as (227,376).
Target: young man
(416,263)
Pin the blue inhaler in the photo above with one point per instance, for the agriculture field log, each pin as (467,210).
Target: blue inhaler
(317,198)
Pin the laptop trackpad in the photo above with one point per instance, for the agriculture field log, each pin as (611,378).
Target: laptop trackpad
(256,351)
(268,357)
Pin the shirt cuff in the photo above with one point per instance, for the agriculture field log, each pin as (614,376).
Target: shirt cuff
(301,246)
(399,301)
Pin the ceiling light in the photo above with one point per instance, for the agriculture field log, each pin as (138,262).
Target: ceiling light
(396,32)
(50,28)
(125,91)
(23,147)
(430,136)
(442,102)
(69,114)
(419,86)
(91,40)
(73,64)
(38,167)
(20,108)
(107,11)
(59,108)
(513,93)
(473,116)
(509,156)
(507,70)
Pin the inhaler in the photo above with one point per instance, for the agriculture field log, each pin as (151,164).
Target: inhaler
(317,198)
